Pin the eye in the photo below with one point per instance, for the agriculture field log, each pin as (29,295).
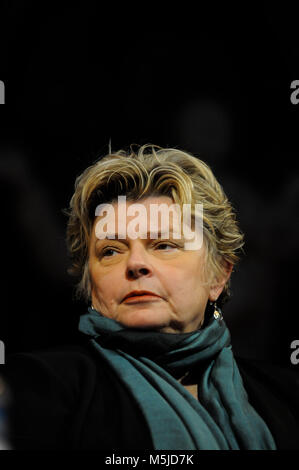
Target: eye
(107,251)
(159,245)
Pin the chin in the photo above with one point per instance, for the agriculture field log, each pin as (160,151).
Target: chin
(144,318)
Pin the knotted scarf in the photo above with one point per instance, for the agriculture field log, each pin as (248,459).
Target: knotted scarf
(148,363)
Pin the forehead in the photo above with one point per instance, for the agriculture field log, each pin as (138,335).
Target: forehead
(149,218)
(152,215)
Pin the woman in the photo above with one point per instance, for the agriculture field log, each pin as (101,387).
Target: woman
(155,368)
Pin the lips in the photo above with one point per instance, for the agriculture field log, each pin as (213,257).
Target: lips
(140,295)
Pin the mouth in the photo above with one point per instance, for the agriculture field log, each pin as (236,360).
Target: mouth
(140,297)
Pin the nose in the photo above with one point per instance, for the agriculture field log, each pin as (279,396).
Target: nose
(138,264)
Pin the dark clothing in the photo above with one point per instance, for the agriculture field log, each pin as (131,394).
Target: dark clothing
(65,398)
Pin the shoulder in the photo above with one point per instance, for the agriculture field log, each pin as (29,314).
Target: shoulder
(55,357)
(66,398)
(273,391)
(62,367)
(50,391)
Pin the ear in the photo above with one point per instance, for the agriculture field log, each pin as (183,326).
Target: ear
(218,284)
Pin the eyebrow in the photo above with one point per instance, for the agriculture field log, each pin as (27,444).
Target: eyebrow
(156,235)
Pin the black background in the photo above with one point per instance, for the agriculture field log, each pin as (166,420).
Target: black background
(213,81)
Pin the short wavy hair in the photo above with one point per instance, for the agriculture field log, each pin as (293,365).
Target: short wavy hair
(151,170)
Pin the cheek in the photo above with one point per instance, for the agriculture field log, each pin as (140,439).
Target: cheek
(104,283)
(186,280)
(107,293)
(188,270)
(177,281)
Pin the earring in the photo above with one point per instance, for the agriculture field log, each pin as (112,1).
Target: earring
(217,311)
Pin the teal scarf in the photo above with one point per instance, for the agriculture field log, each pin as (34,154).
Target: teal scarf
(148,364)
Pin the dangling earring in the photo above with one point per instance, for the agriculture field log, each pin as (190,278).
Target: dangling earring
(217,311)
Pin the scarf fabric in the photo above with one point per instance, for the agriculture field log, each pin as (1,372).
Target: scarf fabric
(148,363)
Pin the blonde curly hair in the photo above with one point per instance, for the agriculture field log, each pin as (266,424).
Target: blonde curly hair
(148,171)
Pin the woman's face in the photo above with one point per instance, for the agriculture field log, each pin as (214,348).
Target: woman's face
(161,266)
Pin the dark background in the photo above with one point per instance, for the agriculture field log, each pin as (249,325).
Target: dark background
(212,81)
